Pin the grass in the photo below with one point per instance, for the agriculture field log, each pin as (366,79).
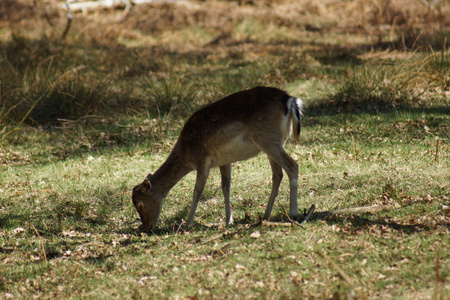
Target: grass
(82,122)
(80,207)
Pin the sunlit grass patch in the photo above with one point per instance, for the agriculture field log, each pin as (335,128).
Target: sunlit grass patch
(253,29)
(195,36)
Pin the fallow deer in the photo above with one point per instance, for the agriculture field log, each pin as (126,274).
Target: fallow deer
(232,129)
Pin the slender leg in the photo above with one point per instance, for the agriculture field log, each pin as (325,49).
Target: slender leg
(277,154)
(291,168)
(225,172)
(202,176)
(277,176)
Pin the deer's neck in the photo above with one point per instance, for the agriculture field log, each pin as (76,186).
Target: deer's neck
(171,171)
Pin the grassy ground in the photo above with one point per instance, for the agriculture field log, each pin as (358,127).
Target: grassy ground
(84,119)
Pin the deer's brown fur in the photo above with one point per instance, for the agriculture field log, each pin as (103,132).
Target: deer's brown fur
(232,129)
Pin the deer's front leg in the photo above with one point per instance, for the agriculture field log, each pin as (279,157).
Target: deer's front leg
(202,176)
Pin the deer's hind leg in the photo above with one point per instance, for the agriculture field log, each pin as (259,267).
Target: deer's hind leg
(277,176)
(275,152)
(291,169)
(225,172)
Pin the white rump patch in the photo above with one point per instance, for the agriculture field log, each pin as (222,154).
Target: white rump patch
(295,112)
(299,103)
(295,104)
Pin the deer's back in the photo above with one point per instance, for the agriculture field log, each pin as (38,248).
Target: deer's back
(225,130)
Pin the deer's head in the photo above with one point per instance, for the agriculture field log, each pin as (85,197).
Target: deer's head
(147,203)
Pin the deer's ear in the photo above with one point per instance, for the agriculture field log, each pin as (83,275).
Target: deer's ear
(146,185)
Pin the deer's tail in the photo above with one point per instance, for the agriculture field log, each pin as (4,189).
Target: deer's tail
(295,106)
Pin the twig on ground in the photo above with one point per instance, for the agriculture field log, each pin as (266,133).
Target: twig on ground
(78,6)
(308,214)
(274,224)
(318,215)
(289,218)
(179,227)
(216,237)
(42,244)
(336,267)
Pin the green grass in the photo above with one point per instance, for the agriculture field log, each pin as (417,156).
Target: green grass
(84,121)
(81,208)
